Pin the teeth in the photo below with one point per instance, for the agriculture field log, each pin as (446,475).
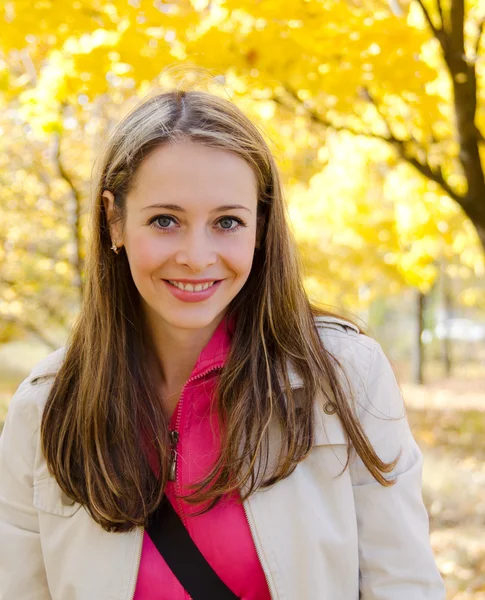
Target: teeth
(188,287)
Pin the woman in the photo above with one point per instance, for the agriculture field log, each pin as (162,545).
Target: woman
(199,372)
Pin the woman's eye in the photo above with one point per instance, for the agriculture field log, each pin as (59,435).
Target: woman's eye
(239,224)
(227,220)
(162,222)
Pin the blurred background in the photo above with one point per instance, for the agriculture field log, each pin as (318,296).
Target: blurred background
(375,113)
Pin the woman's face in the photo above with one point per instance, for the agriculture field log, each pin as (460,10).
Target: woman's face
(190,216)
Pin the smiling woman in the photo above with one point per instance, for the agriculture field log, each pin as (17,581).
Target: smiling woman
(203,405)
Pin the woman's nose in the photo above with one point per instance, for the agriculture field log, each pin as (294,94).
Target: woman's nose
(197,251)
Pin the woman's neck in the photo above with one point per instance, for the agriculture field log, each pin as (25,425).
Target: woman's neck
(177,350)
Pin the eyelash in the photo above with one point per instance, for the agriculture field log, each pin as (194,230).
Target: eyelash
(153,220)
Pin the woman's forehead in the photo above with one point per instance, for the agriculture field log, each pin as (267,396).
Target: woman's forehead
(189,175)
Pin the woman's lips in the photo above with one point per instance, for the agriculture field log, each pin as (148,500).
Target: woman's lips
(193,296)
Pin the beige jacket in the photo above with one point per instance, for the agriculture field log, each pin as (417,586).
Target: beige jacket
(318,536)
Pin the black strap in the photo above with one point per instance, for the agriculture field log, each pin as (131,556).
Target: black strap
(187,563)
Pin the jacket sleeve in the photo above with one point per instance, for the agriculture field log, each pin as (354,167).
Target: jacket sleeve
(395,556)
(22,574)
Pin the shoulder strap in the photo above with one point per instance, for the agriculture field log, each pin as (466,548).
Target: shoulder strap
(187,563)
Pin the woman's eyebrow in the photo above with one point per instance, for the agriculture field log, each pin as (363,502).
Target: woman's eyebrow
(178,208)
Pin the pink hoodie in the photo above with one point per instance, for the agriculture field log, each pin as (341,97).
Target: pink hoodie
(222,534)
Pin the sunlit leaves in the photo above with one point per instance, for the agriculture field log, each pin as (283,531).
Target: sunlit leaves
(362,219)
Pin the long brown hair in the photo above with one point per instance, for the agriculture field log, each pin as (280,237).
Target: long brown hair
(102,405)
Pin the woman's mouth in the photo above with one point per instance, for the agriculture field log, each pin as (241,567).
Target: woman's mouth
(188,292)
(189,287)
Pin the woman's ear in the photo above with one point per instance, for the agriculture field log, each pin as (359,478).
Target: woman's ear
(109,208)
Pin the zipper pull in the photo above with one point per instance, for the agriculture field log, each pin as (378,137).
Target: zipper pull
(174,436)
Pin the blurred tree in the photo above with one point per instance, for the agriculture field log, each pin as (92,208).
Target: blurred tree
(411,80)
(383,202)
(41,235)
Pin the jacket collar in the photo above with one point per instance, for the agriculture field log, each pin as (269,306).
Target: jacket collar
(212,356)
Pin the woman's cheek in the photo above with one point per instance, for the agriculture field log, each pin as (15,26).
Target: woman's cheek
(145,254)
(240,254)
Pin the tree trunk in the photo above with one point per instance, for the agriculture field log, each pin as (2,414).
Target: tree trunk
(464,81)
(75,217)
(417,358)
(446,310)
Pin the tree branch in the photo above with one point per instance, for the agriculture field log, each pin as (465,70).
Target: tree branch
(365,93)
(76,196)
(51,311)
(424,168)
(440,12)
(29,327)
(438,32)
(428,18)
(481,25)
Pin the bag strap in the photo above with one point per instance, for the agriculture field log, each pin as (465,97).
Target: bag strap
(187,563)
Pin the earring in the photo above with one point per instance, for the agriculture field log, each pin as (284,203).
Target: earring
(115,248)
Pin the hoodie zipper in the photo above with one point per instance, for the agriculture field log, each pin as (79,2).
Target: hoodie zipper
(175,436)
